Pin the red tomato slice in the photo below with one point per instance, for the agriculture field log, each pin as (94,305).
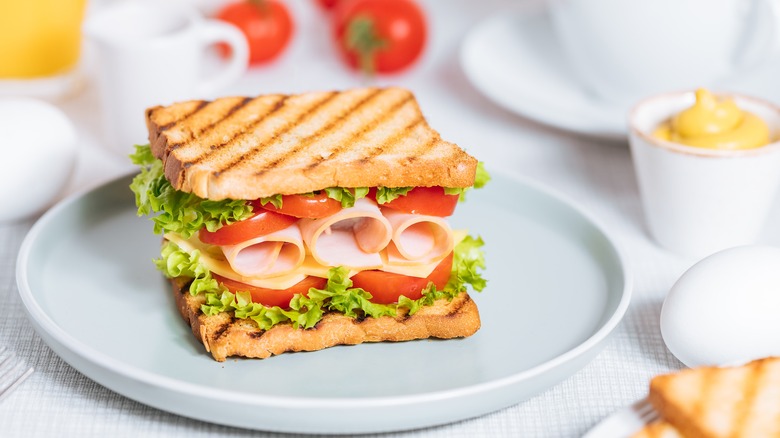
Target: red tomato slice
(313,207)
(273,297)
(386,287)
(262,223)
(422,200)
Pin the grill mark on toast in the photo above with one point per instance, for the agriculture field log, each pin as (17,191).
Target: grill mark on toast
(405,131)
(227,115)
(286,128)
(185,287)
(304,142)
(423,149)
(222,330)
(365,129)
(198,107)
(711,381)
(257,334)
(204,129)
(243,131)
(748,402)
(235,108)
(459,305)
(415,154)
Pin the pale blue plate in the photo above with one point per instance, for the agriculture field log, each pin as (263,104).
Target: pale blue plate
(557,288)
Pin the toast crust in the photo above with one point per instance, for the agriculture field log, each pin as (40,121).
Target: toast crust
(225,336)
(713,402)
(247,148)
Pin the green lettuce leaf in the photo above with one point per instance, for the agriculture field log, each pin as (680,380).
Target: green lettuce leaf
(460,191)
(275,200)
(177,211)
(467,262)
(480,179)
(338,294)
(387,194)
(347,197)
(482,176)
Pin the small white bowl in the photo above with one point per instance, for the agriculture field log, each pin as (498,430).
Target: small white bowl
(38,144)
(698,201)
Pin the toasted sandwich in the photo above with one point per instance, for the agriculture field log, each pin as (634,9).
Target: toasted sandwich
(719,402)
(301,222)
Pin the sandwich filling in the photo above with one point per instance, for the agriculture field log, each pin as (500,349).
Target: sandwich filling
(363,252)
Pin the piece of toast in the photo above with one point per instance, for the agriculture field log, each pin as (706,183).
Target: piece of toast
(248,148)
(715,402)
(658,429)
(224,336)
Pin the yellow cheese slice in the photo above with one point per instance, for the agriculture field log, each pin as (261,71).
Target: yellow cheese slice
(212,258)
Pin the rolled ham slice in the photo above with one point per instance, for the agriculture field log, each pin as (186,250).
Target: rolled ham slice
(275,254)
(417,238)
(351,238)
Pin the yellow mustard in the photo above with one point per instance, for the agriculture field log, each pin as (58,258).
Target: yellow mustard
(716,124)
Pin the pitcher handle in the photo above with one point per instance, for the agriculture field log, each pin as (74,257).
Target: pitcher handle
(214,32)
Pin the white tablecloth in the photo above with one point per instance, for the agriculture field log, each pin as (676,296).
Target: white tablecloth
(59,401)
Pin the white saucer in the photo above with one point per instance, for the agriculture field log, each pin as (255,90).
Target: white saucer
(55,88)
(516,61)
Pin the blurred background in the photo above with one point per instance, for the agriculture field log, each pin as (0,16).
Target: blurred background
(306,55)
(545,67)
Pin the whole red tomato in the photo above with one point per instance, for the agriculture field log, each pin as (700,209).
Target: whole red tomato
(328,4)
(382,36)
(266,24)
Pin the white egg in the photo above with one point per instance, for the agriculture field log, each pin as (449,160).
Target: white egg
(725,309)
(38,146)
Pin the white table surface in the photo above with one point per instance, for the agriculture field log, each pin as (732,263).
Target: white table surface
(58,401)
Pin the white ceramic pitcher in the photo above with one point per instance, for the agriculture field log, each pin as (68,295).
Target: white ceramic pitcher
(152,53)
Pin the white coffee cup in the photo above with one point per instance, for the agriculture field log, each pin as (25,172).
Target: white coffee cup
(698,201)
(152,53)
(625,50)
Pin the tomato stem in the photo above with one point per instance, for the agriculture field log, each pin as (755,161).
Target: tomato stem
(362,38)
(261,6)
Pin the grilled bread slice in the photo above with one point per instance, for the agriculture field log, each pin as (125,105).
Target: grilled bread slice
(224,336)
(713,402)
(247,148)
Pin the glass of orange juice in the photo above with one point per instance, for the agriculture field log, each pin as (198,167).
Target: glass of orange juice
(39,38)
